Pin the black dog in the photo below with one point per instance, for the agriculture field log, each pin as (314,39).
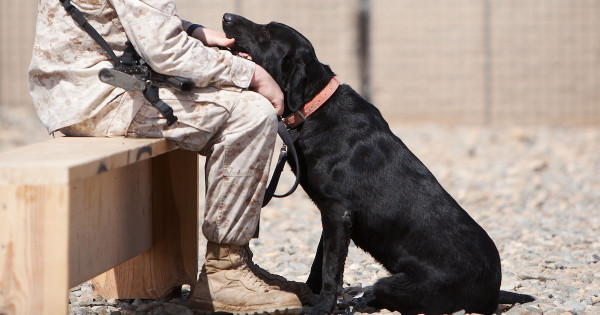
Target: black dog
(370,188)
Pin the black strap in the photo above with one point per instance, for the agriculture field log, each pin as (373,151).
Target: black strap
(288,146)
(190,30)
(151,95)
(129,59)
(82,21)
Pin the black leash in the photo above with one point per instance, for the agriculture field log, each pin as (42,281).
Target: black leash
(288,145)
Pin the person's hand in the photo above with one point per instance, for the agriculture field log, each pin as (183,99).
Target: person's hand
(212,38)
(263,83)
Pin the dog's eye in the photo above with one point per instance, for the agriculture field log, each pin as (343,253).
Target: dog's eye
(266,32)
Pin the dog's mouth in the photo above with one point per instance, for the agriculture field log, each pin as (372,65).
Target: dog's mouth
(244,55)
(240,52)
(236,49)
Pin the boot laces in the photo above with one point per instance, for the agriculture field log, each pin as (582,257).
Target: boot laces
(251,279)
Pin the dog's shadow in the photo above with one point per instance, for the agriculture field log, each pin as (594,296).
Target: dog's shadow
(360,300)
(353,300)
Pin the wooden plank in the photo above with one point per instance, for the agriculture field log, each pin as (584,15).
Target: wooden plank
(110,220)
(33,249)
(66,159)
(173,259)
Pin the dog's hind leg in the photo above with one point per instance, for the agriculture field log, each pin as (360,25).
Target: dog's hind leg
(398,292)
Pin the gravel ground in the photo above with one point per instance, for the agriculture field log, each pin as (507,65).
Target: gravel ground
(535,190)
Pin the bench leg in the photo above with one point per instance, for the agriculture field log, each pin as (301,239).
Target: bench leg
(34,245)
(173,258)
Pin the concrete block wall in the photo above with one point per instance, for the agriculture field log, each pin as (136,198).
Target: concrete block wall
(466,62)
(545,61)
(17,29)
(427,60)
(490,61)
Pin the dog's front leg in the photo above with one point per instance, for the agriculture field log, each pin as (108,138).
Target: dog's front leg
(314,280)
(337,224)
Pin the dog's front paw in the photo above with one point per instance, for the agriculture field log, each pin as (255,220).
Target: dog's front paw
(323,305)
(315,311)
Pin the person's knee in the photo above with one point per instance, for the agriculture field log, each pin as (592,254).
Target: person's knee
(261,112)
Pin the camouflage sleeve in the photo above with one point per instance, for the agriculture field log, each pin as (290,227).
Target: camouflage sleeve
(155,31)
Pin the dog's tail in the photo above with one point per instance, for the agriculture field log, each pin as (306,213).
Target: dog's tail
(513,298)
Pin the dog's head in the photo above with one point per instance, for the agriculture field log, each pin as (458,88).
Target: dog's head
(285,53)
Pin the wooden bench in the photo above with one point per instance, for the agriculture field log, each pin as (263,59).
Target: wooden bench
(121,210)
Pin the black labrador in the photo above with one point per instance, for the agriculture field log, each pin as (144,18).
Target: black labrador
(369,187)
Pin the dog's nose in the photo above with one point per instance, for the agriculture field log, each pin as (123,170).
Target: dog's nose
(227,18)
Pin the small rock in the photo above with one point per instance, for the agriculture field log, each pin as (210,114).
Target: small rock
(137,302)
(346,297)
(73,300)
(591,310)
(142,307)
(524,310)
(160,310)
(528,276)
(575,306)
(98,298)
(82,311)
(127,307)
(175,309)
(76,293)
(342,305)
(552,259)
(353,290)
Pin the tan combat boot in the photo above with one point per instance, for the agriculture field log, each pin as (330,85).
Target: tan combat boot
(299,288)
(226,284)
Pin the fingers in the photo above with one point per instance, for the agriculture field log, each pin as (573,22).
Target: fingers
(278,104)
(224,41)
(273,93)
(212,38)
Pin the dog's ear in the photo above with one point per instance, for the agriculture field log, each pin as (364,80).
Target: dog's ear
(296,82)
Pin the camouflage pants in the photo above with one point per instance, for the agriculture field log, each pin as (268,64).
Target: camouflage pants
(235,130)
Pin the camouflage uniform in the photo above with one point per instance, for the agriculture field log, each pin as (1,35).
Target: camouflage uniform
(233,127)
